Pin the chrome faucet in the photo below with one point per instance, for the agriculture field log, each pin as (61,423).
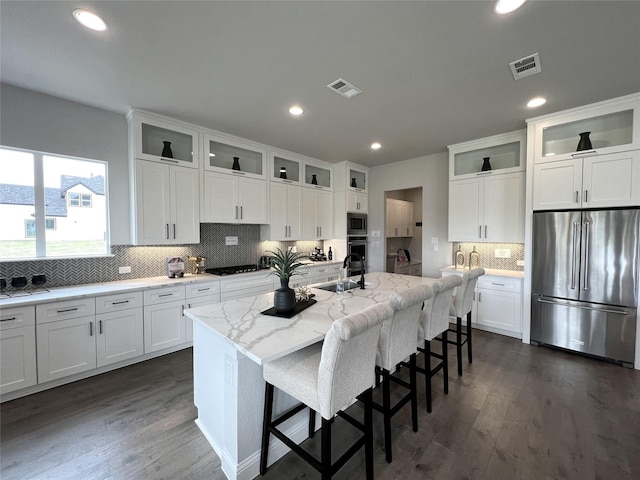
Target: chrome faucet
(359,257)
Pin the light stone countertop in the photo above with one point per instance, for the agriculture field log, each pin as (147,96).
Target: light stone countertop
(264,338)
(488,271)
(106,288)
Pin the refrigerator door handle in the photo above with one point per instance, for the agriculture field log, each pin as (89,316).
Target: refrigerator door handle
(573,255)
(585,273)
(583,307)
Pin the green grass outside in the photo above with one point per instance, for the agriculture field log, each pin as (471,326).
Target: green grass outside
(27,248)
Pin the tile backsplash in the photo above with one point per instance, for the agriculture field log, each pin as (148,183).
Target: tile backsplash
(148,261)
(487,255)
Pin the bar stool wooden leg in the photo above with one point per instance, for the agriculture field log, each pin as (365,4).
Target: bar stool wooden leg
(268,407)
(414,391)
(459,344)
(325,448)
(427,376)
(445,362)
(368,427)
(312,423)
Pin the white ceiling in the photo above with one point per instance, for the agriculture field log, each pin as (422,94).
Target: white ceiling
(433,73)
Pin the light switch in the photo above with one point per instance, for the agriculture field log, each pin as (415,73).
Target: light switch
(434,240)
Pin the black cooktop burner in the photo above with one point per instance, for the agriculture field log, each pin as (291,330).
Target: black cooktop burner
(233,270)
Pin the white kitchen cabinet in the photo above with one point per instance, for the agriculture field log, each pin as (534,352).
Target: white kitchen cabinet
(497,304)
(246,285)
(317,214)
(487,209)
(232,198)
(399,218)
(119,325)
(233,155)
(317,174)
(148,134)
(598,181)
(17,349)
(286,213)
(166,204)
(357,187)
(164,321)
(65,347)
(197,295)
(357,201)
(506,153)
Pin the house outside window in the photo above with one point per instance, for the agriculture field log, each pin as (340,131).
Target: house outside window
(37,191)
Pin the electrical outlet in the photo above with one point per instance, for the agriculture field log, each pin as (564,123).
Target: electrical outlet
(520,263)
(293,249)
(124,270)
(231,240)
(435,247)
(502,252)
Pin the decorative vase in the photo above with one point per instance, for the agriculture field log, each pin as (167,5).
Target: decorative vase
(314,179)
(474,259)
(284,298)
(486,166)
(584,143)
(353,183)
(283,172)
(459,259)
(166,150)
(236,163)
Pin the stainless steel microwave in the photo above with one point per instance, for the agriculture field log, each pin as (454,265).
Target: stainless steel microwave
(356,223)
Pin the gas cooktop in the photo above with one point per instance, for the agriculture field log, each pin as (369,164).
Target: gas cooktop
(233,270)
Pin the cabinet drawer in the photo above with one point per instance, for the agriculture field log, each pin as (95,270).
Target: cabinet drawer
(504,284)
(118,301)
(248,282)
(202,289)
(164,294)
(17,317)
(52,312)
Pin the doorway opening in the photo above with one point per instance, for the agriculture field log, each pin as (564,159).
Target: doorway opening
(403,231)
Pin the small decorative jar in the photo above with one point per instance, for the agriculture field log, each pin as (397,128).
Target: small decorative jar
(314,179)
(584,143)
(236,164)
(486,166)
(353,183)
(474,259)
(460,259)
(166,150)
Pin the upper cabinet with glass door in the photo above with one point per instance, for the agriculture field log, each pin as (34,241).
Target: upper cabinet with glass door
(161,139)
(285,168)
(611,126)
(357,176)
(226,154)
(503,153)
(317,174)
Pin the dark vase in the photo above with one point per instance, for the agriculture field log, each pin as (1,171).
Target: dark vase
(283,172)
(585,142)
(166,150)
(236,163)
(486,166)
(314,179)
(284,298)
(353,183)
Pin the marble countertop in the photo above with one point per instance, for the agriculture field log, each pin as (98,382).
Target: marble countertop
(263,338)
(488,271)
(106,288)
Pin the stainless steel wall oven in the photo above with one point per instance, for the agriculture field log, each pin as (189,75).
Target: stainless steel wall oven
(356,244)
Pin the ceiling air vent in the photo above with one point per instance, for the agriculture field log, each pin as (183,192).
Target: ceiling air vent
(525,67)
(344,88)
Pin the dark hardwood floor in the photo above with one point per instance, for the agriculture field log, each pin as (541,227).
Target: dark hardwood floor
(518,412)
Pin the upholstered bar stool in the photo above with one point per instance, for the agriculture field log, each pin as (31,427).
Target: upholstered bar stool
(461,304)
(326,378)
(397,342)
(434,320)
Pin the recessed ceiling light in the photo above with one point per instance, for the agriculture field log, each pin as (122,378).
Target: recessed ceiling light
(375,146)
(507,6)
(296,110)
(89,20)
(536,102)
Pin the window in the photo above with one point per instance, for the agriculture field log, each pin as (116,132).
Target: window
(30,227)
(79,200)
(37,192)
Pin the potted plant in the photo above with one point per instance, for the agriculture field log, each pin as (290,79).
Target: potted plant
(285,265)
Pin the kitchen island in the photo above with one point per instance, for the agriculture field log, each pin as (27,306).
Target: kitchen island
(232,340)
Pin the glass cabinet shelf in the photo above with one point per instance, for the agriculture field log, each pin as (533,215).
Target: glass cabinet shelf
(316,176)
(289,168)
(154,138)
(233,158)
(612,130)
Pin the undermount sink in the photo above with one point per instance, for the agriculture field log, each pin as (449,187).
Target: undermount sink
(348,285)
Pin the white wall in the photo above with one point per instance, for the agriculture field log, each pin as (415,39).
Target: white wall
(36,121)
(432,174)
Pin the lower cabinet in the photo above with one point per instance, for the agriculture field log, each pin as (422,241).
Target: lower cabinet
(164,320)
(17,349)
(232,288)
(497,304)
(119,336)
(197,295)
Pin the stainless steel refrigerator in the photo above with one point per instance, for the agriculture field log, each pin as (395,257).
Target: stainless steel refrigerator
(585,281)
